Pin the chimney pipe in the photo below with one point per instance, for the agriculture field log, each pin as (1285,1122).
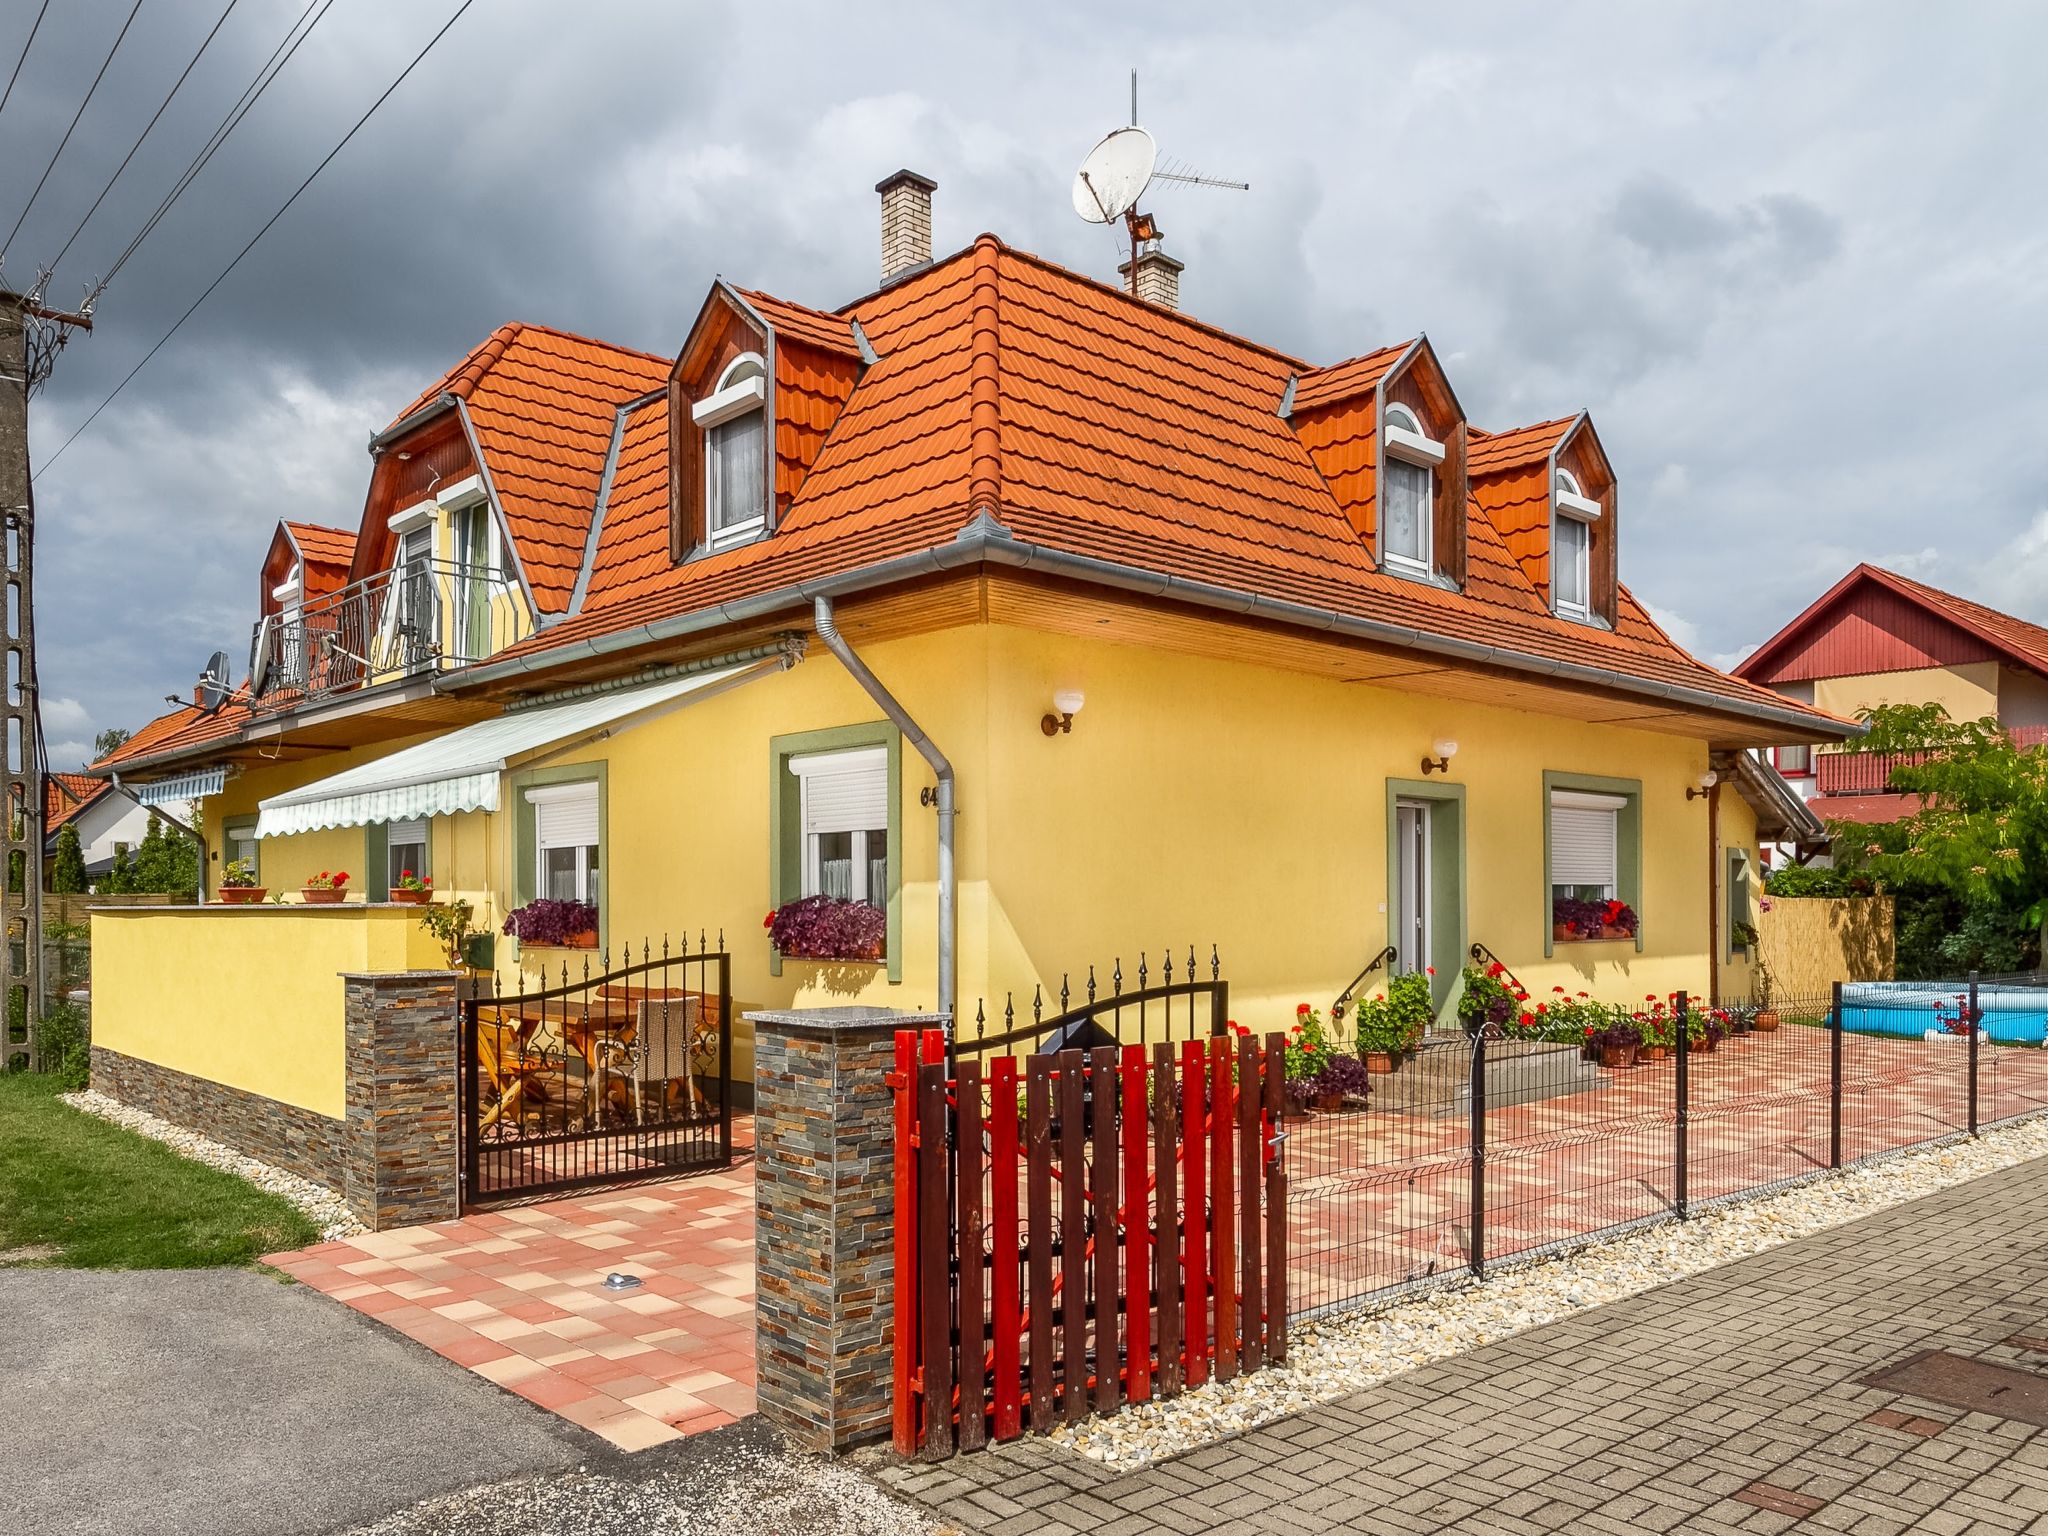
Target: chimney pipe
(906,223)
(1154,276)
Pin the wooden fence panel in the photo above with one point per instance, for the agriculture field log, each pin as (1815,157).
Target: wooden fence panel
(1159,1262)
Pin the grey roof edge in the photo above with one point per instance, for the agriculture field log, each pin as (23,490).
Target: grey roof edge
(604,497)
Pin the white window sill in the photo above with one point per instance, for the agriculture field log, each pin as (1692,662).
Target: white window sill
(735,536)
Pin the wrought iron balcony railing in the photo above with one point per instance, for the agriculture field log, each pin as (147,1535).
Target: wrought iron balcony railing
(419,617)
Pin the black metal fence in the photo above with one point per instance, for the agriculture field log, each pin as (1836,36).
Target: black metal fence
(1481,1149)
(599,1078)
(1172,1001)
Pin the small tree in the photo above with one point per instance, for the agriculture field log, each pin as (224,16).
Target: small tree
(1977,842)
(108,740)
(121,877)
(67,870)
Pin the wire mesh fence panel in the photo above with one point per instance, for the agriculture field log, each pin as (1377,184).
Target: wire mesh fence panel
(1381,1197)
(1905,1065)
(1758,1103)
(1573,1148)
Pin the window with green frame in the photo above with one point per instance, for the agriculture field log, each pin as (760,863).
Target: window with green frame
(1740,903)
(238,841)
(835,822)
(560,836)
(391,849)
(1592,844)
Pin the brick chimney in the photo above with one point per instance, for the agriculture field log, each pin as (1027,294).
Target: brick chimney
(1157,278)
(906,223)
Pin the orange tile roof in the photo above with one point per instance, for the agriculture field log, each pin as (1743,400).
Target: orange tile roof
(1492,453)
(66,794)
(1086,422)
(1118,431)
(543,403)
(181,730)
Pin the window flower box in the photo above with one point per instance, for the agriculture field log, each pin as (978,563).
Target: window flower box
(325,890)
(241,895)
(826,928)
(560,924)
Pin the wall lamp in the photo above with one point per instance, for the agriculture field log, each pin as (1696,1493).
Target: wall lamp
(1445,749)
(1066,704)
(1707,782)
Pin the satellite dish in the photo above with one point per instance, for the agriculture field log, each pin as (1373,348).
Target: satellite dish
(213,682)
(259,662)
(1115,175)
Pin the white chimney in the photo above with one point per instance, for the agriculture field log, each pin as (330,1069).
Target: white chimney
(906,223)
(1157,276)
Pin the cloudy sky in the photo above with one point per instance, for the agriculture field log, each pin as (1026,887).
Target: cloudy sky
(1786,254)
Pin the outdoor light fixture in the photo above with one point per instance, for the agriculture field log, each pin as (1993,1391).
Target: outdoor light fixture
(1707,781)
(1066,704)
(1445,749)
(617,1281)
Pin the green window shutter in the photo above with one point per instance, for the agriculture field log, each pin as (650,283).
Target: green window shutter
(376,862)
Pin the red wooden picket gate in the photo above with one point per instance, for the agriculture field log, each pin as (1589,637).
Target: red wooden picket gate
(1109,1229)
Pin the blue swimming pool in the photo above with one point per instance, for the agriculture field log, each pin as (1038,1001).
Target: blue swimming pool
(2011,1015)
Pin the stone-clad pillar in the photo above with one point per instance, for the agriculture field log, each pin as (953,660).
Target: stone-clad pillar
(402,1149)
(824,1220)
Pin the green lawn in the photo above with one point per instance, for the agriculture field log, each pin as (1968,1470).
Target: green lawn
(106,1198)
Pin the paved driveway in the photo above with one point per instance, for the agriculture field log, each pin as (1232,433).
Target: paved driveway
(222,1402)
(1728,1402)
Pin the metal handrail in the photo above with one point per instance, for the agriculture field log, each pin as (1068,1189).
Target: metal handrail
(407,619)
(1344,998)
(1482,955)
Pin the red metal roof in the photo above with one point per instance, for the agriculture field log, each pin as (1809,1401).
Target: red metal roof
(1874,620)
(1875,810)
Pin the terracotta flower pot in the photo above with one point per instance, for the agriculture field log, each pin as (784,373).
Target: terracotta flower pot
(1615,1057)
(582,940)
(241,895)
(1561,932)
(324,896)
(1765,1022)
(1701,1046)
(1658,1052)
(407,898)
(1381,1062)
(1329,1103)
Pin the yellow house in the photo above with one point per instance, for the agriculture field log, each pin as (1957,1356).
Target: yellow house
(1054,626)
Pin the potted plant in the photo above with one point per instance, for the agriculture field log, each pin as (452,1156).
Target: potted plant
(1305,1054)
(1572,919)
(827,928)
(1765,1019)
(448,922)
(1744,935)
(412,890)
(1618,920)
(1617,1043)
(1343,1083)
(238,887)
(1391,1024)
(1657,1034)
(324,889)
(1488,998)
(564,924)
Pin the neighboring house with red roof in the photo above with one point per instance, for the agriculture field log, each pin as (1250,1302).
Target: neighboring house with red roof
(1876,637)
(1178,638)
(106,819)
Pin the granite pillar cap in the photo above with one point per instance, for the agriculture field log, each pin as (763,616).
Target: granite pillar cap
(399,976)
(845,1020)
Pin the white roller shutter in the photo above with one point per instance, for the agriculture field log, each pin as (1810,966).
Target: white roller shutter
(565,815)
(1582,837)
(844,791)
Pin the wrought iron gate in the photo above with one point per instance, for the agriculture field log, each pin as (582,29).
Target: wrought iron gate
(599,1079)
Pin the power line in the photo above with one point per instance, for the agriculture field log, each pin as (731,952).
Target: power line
(96,79)
(245,250)
(280,56)
(180,85)
(33,26)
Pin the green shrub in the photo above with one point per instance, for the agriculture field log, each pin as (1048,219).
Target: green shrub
(66,1045)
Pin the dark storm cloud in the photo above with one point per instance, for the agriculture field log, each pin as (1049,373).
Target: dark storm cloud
(1766,247)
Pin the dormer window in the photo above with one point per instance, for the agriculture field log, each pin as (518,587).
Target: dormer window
(1409,494)
(734,421)
(1571,548)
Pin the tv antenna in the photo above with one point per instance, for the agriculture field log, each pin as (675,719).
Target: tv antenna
(1120,169)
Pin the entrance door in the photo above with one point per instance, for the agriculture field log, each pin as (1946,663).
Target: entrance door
(1411,926)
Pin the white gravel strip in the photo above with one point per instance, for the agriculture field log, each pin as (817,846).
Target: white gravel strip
(1339,1354)
(321,1204)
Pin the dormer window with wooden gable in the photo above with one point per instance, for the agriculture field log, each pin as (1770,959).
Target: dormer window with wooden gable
(1573,516)
(734,421)
(1407,542)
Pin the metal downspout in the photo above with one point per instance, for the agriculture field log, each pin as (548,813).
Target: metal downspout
(821,613)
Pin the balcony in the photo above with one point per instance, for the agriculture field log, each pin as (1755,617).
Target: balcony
(422,617)
(1870,773)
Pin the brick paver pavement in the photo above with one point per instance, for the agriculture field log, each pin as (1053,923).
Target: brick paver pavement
(1727,1402)
(517,1295)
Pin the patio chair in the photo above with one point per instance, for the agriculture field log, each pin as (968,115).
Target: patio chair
(517,1076)
(665,1055)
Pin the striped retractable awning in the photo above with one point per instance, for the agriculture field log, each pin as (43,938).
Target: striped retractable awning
(196,785)
(460,771)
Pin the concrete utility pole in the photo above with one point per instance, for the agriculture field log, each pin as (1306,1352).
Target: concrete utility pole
(30,335)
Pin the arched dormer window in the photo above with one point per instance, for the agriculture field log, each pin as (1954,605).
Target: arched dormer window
(1408,494)
(1573,515)
(734,421)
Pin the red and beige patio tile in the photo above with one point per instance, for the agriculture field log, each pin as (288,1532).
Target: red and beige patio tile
(518,1297)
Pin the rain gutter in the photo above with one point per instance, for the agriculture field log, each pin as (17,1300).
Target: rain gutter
(984,541)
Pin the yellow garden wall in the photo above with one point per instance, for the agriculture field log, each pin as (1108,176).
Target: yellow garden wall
(246,996)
